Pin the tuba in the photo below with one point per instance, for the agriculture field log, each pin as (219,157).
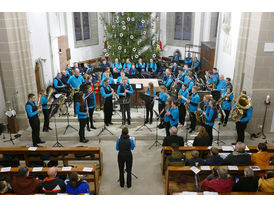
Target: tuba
(244,102)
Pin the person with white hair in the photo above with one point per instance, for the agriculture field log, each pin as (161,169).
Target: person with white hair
(53,184)
(173,138)
(238,156)
(248,183)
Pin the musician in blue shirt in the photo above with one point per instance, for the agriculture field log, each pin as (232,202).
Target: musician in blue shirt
(32,113)
(167,116)
(120,78)
(76,66)
(127,66)
(85,68)
(132,70)
(117,65)
(195,65)
(82,113)
(65,77)
(59,86)
(124,91)
(189,82)
(107,93)
(91,103)
(227,84)
(150,92)
(162,97)
(241,124)
(179,80)
(140,66)
(45,103)
(226,105)
(76,80)
(193,107)
(175,69)
(212,81)
(221,84)
(188,60)
(177,57)
(169,80)
(211,114)
(215,73)
(151,66)
(69,70)
(107,76)
(174,114)
(105,64)
(183,94)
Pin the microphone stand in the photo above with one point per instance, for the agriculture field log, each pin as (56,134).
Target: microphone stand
(68,121)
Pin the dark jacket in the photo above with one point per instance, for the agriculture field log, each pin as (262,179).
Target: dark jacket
(202,141)
(246,184)
(214,160)
(195,162)
(53,185)
(238,158)
(173,139)
(175,159)
(26,185)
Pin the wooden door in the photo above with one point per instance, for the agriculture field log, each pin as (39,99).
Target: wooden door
(63,47)
(37,77)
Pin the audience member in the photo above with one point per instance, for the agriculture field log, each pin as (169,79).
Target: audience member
(238,156)
(173,138)
(202,139)
(77,186)
(53,184)
(176,158)
(266,184)
(261,158)
(195,160)
(5,187)
(223,183)
(25,185)
(214,159)
(248,183)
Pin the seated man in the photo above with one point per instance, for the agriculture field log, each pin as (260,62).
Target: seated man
(266,184)
(214,159)
(248,183)
(69,70)
(173,138)
(188,60)
(195,160)
(132,70)
(195,65)
(175,69)
(65,77)
(127,65)
(59,85)
(212,81)
(221,184)
(116,66)
(238,156)
(107,75)
(140,66)
(76,66)
(151,66)
(85,68)
(105,64)
(176,158)
(53,184)
(176,57)
(25,185)
(76,80)
(120,78)
(169,79)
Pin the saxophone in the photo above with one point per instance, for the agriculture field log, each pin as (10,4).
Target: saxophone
(50,97)
(200,116)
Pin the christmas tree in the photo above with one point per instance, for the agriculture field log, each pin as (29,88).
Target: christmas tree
(131,35)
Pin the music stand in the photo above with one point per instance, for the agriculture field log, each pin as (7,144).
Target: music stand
(54,110)
(145,98)
(137,87)
(68,125)
(11,139)
(102,130)
(218,136)
(156,142)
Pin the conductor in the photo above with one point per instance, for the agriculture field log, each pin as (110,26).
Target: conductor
(124,145)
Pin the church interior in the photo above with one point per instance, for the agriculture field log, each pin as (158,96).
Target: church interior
(98,94)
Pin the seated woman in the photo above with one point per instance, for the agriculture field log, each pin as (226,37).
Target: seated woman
(248,183)
(176,158)
(261,158)
(107,70)
(195,160)
(132,70)
(120,78)
(266,184)
(77,186)
(107,75)
(202,139)
(223,183)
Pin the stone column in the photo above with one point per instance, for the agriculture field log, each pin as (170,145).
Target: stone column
(17,72)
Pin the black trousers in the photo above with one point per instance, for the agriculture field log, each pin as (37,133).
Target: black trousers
(90,113)
(149,111)
(192,117)
(46,119)
(240,127)
(125,158)
(167,127)
(35,126)
(224,119)
(182,114)
(209,131)
(125,109)
(108,107)
(160,108)
(82,125)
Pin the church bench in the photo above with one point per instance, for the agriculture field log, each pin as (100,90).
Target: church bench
(235,193)
(64,154)
(186,170)
(167,150)
(13,172)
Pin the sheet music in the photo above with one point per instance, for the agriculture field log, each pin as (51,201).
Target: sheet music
(138,86)
(66,168)
(37,169)
(5,169)
(87,169)
(255,168)
(195,170)
(232,167)
(32,148)
(205,167)
(227,148)
(210,193)
(188,193)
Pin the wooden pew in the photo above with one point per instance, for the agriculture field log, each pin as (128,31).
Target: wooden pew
(167,150)
(185,170)
(65,154)
(236,193)
(14,171)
